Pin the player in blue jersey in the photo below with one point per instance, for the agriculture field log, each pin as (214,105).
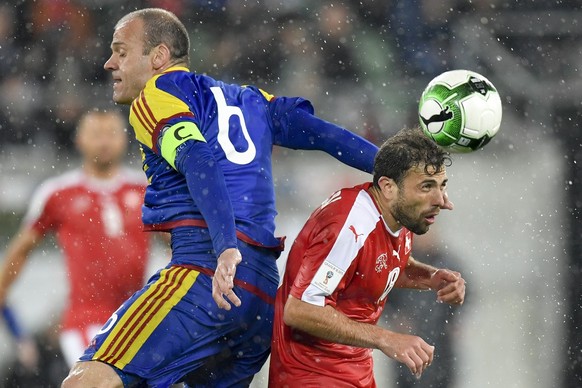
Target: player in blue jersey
(206,149)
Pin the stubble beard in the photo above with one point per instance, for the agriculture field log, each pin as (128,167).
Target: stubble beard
(402,213)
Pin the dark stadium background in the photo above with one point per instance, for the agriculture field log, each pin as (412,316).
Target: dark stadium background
(516,231)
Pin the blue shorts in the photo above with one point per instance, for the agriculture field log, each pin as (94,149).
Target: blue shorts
(172,331)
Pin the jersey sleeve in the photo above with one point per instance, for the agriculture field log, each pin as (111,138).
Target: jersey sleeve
(207,188)
(320,279)
(298,128)
(328,262)
(39,215)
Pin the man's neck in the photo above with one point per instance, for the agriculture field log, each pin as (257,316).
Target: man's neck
(172,64)
(101,173)
(382,204)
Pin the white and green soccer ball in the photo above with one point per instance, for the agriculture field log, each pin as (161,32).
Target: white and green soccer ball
(460,110)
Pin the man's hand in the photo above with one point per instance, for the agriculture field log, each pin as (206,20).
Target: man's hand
(410,350)
(223,280)
(28,354)
(450,286)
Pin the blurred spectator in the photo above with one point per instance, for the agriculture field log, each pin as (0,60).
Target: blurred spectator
(335,41)
(420,29)
(44,366)
(419,313)
(53,52)
(10,52)
(249,47)
(300,65)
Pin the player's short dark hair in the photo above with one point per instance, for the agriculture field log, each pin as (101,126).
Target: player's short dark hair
(162,26)
(409,148)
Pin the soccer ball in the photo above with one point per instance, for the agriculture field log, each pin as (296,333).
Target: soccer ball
(460,110)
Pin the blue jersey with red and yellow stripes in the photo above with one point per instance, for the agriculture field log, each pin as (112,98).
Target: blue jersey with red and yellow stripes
(239,125)
(206,149)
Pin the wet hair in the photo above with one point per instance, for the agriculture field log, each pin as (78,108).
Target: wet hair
(408,149)
(161,26)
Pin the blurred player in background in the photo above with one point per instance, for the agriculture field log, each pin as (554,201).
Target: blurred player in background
(206,149)
(95,213)
(408,312)
(351,252)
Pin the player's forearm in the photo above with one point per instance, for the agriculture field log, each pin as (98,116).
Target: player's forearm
(207,187)
(8,275)
(416,275)
(15,258)
(330,324)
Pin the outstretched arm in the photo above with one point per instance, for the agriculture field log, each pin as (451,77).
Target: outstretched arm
(332,325)
(16,256)
(449,285)
(309,132)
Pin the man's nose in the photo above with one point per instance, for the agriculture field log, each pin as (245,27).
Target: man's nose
(445,202)
(109,64)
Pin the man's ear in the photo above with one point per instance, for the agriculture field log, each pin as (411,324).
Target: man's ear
(161,56)
(388,187)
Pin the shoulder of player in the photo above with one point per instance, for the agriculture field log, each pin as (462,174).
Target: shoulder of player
(64,181)
(59,184)
(353,205)
(172,77)
(174,82)
(133,177)
(347,198)
(164,97)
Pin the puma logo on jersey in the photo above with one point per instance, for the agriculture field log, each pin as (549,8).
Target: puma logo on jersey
(353,229)
(396,254)
(444,115)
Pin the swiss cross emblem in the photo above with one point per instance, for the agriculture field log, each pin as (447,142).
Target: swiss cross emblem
(407,243)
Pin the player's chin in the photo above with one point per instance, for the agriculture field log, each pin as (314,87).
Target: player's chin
(419,228)
(116,98)
(122,101)
(104,164)
(121,98)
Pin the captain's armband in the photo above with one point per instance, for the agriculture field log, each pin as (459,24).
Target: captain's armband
(175,135)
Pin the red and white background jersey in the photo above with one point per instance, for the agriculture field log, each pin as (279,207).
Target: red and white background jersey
(345,256)
(98,227)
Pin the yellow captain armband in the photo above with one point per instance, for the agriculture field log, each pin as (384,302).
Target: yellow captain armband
(174,136)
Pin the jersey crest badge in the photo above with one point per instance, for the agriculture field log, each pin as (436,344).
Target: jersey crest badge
(381,263)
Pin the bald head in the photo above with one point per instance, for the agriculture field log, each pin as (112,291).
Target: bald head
(161,27)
